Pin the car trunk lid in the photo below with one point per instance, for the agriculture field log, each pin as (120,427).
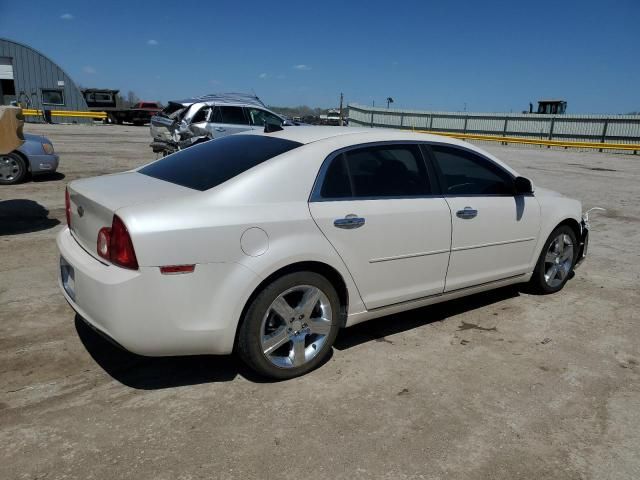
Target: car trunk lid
(94,201)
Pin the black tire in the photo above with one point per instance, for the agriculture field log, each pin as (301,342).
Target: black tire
(249,337)
(539,283)
(13,169)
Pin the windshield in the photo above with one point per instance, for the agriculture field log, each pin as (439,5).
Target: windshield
(209,164)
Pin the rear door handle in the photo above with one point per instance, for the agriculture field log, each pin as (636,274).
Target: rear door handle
(467,213)
(349,222)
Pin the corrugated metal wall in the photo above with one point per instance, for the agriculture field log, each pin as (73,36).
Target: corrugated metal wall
(33,71)
(594,128)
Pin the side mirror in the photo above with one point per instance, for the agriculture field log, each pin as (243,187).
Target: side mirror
(287,123)
(522,186)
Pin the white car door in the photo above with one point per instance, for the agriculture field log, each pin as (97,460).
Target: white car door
(494,231)
(375,205)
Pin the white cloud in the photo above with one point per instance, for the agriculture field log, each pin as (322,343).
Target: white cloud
(89,70)
(152,42)
(301,66)
(263,75)
(66,16)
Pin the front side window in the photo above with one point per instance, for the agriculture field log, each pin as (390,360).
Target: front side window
(212,163)
(201,115)
(260,117)
(233,115)
(466,173)
(52,96)
(377,172)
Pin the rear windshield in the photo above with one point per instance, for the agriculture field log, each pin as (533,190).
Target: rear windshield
(209,164)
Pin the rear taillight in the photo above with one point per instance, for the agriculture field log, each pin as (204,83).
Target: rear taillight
(114,244)
(67,206)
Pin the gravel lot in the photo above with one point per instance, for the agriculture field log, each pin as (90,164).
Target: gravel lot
(502,385)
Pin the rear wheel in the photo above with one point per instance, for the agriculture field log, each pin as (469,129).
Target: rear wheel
(13,169)
(556,261)
(290,326)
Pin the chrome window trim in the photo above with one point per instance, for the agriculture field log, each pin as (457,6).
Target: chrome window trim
(315,195)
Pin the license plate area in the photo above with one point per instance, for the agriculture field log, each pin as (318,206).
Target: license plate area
(67,274)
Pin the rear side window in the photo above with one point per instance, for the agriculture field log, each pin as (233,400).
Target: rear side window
(260,117)
(377,172)
(233,115)
(466,173)
(205,166)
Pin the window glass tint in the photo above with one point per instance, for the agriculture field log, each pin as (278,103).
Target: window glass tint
(387,171)
(52,97)
(260,117)
(233,115)
(207,165)
(336,180)
(202,115)
(216,115)
(466,173)
(375,172)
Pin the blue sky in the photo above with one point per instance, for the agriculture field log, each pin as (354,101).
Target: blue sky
(489,55)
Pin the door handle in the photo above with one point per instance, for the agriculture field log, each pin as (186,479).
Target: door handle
(348,222)
(219,129)
(467,213)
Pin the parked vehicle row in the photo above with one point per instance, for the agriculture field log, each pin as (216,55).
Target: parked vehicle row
(266,244)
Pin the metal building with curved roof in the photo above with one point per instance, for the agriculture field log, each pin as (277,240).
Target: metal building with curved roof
(35,81)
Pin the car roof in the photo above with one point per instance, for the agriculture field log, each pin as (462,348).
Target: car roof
(310,134)
(242,99)
(342,137)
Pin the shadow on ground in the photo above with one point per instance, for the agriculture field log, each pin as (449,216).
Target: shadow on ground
(153,373)
(380,328)
(24,216)
(49,177)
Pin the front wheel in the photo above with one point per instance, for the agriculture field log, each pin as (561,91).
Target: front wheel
(290,326)
(13,169)
(556,261)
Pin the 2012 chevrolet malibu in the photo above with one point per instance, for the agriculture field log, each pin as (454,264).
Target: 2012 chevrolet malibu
(266,244)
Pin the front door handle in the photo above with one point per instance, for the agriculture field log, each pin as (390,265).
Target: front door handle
(349,221)
(467,213)
(219,129)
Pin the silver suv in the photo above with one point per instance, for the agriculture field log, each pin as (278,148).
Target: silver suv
(183,123)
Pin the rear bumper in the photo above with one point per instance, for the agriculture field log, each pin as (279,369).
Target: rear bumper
(43,163)
(152,314)
(583,245)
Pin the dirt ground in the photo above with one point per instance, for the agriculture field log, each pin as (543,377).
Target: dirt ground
(502,385)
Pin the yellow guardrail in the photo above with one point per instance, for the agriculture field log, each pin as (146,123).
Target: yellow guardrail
(533,141)
(65,113)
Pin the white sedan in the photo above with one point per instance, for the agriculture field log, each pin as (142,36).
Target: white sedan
(267,244)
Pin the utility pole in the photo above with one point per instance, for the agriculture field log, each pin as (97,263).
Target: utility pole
(341,120)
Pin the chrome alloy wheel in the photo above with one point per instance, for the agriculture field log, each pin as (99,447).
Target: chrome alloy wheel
(558,260)
(295,326)
(10,168)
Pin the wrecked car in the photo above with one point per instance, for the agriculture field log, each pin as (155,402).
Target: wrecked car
(183,123)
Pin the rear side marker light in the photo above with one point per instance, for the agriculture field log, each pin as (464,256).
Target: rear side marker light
(177,269)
